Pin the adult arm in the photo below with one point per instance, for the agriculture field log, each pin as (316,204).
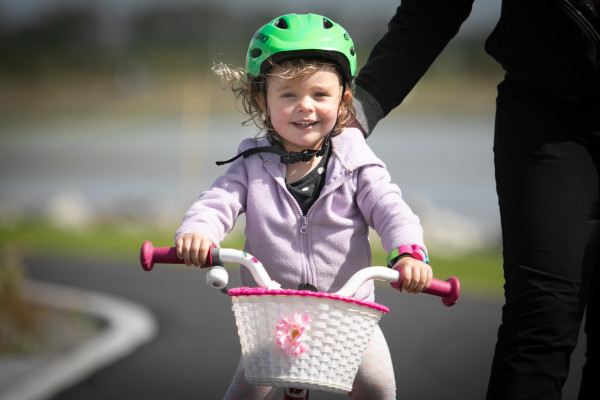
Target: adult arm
(416,35)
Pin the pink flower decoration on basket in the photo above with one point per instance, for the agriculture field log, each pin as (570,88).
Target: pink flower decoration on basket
(290,334)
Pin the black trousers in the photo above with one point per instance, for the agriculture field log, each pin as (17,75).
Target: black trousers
(547,159)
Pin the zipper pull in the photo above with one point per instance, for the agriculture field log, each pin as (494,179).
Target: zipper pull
(304,222)
(307,286)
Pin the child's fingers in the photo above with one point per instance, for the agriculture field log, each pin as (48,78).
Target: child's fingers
(203,255)
(179,247)
(183,248)
(417,276)
(413,281)
(429,278)
(190,247)
(424,281)
(407,272)
(188,251)
(196,257)
(199,248)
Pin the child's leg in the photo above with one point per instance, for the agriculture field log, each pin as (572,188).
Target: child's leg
(375,378)
(240,389)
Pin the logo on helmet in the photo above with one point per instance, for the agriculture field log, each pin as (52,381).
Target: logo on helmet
(260,37)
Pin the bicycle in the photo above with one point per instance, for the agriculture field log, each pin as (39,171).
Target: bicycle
(285,335)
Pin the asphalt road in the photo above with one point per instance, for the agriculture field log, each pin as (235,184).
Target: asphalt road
(438,352)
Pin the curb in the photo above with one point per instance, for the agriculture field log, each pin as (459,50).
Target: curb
(128,326)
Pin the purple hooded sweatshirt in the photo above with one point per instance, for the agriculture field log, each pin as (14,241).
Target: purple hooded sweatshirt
(330,243)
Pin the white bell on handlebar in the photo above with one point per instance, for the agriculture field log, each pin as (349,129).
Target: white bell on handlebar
(217,277)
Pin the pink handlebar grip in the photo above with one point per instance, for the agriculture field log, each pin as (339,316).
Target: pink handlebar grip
(448,290)
(150,255)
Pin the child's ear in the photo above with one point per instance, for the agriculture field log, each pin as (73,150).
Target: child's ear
(346,98)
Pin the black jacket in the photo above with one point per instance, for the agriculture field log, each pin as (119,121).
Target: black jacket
(548,44)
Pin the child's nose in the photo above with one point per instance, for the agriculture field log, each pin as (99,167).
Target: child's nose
(305,104)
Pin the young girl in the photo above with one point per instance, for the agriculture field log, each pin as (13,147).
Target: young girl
(310,187)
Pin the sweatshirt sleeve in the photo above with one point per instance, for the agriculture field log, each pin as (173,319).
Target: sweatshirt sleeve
(385,210)
(215,212)
(379,199)
(416,35)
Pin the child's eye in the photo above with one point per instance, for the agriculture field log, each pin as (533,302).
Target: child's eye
(322,94)
(287,95)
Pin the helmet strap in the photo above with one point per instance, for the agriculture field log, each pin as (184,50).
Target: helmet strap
(289,157)
(286,157)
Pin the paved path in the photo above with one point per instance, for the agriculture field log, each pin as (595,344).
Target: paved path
(438,352)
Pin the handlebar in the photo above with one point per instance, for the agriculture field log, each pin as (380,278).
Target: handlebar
(448,290)
(149,255)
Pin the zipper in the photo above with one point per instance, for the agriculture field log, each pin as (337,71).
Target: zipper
(308,272)
(579,17)
(303,224)
(308,276)
(304,220)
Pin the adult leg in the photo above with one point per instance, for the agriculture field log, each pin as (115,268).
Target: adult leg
(589,379)
(592,366)
(547,186)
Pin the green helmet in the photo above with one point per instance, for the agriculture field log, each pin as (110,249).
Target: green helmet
(294,36)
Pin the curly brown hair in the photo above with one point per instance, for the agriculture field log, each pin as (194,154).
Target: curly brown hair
(251,91)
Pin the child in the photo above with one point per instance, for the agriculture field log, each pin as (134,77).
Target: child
(310,187)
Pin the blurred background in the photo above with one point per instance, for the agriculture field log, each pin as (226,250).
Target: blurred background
(110,113)
(111,121)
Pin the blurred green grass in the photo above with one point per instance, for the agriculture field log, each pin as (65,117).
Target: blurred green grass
(480,272)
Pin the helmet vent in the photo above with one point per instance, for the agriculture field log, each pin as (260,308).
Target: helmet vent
(281,23)
(255,52)
(327,23)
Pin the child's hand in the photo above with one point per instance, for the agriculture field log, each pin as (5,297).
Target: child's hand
(417,275)
(193,248)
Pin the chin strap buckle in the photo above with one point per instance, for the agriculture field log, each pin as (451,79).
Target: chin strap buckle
(298,156)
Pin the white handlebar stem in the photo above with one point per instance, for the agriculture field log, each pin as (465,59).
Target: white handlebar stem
(263,280)
(365,274)
(255,267)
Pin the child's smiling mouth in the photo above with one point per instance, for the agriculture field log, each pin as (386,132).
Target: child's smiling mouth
(304,124)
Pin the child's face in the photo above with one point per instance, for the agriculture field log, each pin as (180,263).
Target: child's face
(304,110)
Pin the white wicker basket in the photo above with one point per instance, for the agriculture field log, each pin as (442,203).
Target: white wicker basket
(329,349)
